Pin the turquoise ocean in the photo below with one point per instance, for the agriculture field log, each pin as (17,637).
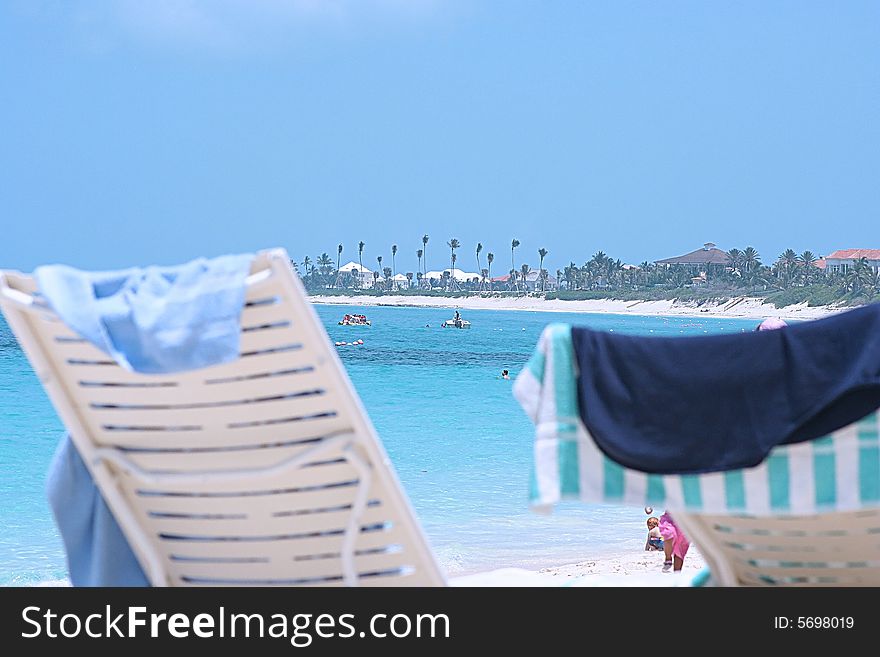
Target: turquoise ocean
(459,441)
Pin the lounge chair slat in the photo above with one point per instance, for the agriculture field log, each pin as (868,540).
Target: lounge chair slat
(851,575)
(229,392)
(279,340)
(304,477)
(260,457)
(845,550)
(307,403)
(259,434)
(244,367)
(365,581)
(263,524)
(758,541)
(265,314)
(289,569)
(335,494)
(866,518)
(281,548)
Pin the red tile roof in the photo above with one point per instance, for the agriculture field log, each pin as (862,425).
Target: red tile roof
(855,254)
(820,263)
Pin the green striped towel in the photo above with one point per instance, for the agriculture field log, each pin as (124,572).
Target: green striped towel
(839,472)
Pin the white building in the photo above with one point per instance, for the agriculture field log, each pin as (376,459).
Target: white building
(352,268)
(533,282)
(458,274)
(401,282)
(842,259)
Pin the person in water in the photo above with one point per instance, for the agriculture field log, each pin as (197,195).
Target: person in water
(505,374)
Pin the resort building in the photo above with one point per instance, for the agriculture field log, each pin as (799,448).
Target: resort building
(459,275)
(366,276)
(401,282)
(842,260)
(709,254)
(533,282)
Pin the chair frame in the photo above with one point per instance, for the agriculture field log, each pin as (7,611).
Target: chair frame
(119,470)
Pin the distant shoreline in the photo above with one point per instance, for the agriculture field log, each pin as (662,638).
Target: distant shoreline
(738,307)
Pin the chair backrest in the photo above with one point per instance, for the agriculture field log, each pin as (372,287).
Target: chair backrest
(826,549)
(263,471)
(809,514)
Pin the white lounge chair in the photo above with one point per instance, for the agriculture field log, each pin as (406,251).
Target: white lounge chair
(264,471)
(808,515)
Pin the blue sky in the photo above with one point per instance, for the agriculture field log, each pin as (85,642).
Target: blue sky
(155,132)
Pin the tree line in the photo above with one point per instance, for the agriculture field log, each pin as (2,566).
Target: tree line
(743,273)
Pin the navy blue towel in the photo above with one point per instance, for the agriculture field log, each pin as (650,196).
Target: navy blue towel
(715,403)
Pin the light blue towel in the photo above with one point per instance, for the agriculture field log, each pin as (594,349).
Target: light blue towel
(97,552)
(153,320)
(157,319)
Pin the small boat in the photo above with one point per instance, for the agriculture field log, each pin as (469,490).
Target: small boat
(456,322)
(355,320)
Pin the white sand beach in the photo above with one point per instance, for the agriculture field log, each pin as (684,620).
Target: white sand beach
(638,563)
(739,307)
(635,569)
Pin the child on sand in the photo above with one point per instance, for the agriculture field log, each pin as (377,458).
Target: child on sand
(675,543)
(655,540)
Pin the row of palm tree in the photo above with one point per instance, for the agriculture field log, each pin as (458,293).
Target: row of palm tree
(322,274)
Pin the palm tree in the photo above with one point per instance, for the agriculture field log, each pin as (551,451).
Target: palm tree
(807,258)
(734,256)
(874,281)
(360,261)
(393,255)
(453,244)
(307,265)
(750,258)
(808,265)
(338,256)
(409,277)
(788,261)
(325,266)
(425,251)
(513,244)
(644,268)
(525,269)
(542,253)
(859,275)
(489,258)
(419,254)
(479,248)
(388,280)
(571,276)
(379,259)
